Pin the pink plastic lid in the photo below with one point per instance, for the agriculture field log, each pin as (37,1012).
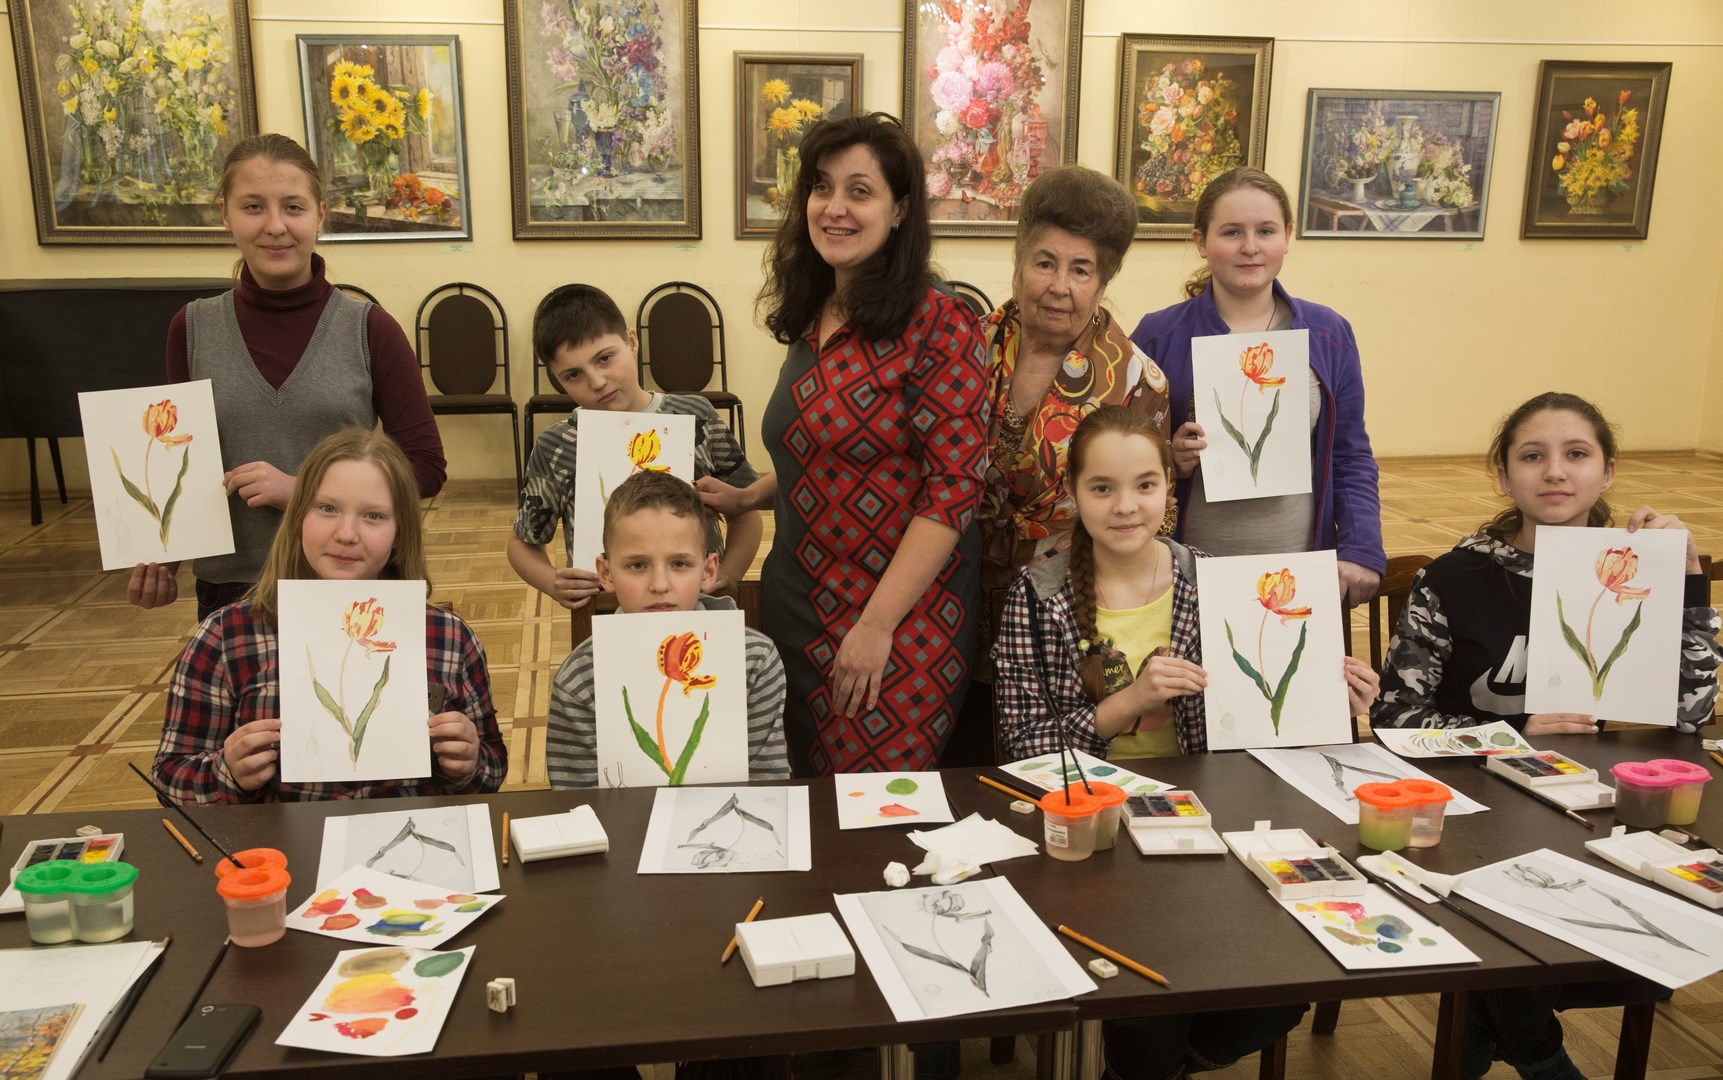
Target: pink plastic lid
(1643,774)
(1685,772)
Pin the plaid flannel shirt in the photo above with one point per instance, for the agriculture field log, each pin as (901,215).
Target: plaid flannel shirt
(227,677)
(1038,690)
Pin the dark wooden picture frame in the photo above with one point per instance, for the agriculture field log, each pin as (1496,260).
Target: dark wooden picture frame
(1609,118)
(778,95)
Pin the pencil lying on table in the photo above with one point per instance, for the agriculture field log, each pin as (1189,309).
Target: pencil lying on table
(183,842)
(1116,957)
(1011,791)
(730,949)
(505,837)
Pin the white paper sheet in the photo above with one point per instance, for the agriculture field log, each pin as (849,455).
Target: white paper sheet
(162,441)
(614,446)
(95,976)
(1329,775)
(869,800)
(415,844)
(1645,930)
(1274,650)
(691,710)
(946,950)
(1602,597)
(975,840)
(1375,931)
(1252,394)
(1046,772)
(360,641)
(1480,741)
(369,907)
(380,1002)
(727,830)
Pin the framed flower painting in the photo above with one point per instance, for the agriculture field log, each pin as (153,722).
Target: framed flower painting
(1190,108)
(604,120)
(1595,137)
(990,97)
(778,97)
(1397,164)
(383,121)
(129,110)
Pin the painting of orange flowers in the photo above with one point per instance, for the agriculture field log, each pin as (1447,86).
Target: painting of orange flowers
(1596,131)
(613,447)
(1253,396)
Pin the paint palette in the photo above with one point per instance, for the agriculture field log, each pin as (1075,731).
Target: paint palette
(1171,823)
(1697,875)
(1561,780)
(1292,865)
(105,847)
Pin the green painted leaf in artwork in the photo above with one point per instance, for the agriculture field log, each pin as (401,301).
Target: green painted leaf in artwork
(693,744)
(1615,653)
(1573,641)
(1237,435)
(645,741)
(436,965)
(1262,440)
(903,785)
(325,699)
(1277,702)
(364,720)
(132,489)
(1245,665)
(173,497)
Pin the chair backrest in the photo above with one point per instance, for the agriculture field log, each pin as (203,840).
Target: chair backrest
(974,297)
(1396,587)
(463,339)
(681,335)
(356,292)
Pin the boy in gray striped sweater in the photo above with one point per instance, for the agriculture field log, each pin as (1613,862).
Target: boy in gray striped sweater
(657,558)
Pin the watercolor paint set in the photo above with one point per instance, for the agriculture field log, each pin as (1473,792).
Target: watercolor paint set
(1172,823)
(779,951)
(1560,779)
(1696,875)
(1292,865)
(101,848)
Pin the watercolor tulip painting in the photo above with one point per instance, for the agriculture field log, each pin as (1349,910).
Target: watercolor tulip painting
(613,447)
(679,663)
(1274,591)
(1252,394)
(362,623)
(1255,363)
(1615,567)
(160,420)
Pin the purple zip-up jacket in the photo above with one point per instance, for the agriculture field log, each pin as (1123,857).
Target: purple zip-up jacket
(1348,506)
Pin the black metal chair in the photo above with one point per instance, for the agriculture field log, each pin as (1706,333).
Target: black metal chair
(357,293)
(974,297)
(553,402)
(681,335)
(463,343)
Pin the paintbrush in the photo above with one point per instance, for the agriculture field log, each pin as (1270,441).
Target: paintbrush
(1547,801)
(1400,886)
(226,854)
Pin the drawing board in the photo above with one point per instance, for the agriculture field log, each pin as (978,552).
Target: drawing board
(354,702)
(727,830)
(613,447)
(1376,931)
(1252,395)
(155,474)
(380,1002)
(670,690)
(1605,636)
(449,847)
(371,907)
(1484,740)
(1274,650)
(869,800)
(1049,773)
(946,950)
(1329,775)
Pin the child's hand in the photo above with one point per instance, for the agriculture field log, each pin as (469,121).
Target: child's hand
(572,588)
(1163,678)
(454,745)
(1189,441)
(1362,685)
(251,752)
(1560,723)
(153,585)
(1357,583)
(260,484)
(1647,518)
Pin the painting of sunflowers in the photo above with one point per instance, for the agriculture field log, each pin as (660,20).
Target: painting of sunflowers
(383,120)
(778,97)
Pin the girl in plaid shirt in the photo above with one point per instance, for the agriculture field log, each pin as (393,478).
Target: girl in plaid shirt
(353,514)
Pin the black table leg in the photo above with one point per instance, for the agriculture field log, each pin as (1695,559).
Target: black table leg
(35,489)
(1635,1046)
(59,470)
(1450,1023)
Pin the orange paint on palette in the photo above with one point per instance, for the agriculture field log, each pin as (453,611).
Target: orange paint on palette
(372,993)
(340,922)
(857,794)
(362,1029)
(364,898)
(897,810)
(428,905)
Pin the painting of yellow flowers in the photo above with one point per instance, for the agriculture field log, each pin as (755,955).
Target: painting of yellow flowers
(1253,400)
(1596,132)
(353,682)
(670,697)
(1605,633)
(383,119)
(155,474)
(613,447)
(129,109)
(778,97)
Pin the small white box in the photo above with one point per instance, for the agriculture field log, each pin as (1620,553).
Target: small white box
(1560,780)
(779,951)
(1664,862)
(552,836)
(1177,841)
(1278,857)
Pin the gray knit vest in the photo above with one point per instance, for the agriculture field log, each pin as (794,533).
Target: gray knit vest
(329,389)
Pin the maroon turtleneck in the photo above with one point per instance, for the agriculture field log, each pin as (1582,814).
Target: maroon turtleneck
(278,324)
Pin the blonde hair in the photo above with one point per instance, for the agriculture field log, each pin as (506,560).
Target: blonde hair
(287,560)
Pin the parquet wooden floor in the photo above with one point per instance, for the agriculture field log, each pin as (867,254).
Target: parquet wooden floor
(82,678)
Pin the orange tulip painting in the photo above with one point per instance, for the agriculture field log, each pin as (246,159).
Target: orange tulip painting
(361,623)
(1274,591)
(1615,567)
(1255,362)
(160,420)
(679,662)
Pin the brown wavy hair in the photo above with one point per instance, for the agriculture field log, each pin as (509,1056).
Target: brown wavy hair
(1085,203)
(1230,181)
(1107,418)
(1507,524)
(883,294)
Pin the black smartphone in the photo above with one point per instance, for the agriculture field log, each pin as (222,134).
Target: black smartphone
(205,1043)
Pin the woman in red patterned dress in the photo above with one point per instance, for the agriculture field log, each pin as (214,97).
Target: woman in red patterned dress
(877,429)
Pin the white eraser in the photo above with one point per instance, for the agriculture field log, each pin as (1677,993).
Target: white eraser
(1022,807)
(509,985)
(497,996)
(1102,968)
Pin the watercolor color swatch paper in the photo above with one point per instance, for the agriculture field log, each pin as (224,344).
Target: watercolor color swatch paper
(385,1002)
(1483,740)
(1252,395)
(869,800)
(727,830)
(449,847)
(1376,931)
(613,447)
(1330,774)
(370,907)
(155,474)
(354,700)
(1049,773)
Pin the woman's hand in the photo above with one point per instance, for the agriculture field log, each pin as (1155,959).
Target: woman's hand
(859,668)
(1189,442)
(1362,685)
(251,752)
(1560,723)
(1647,518)
(1357,583)
(454,746)
(727,499)
(153,585)
(260,484)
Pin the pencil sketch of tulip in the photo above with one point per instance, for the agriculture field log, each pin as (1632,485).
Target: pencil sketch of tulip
(678,661)
(1255,363)
(1533,878)
(949,905)
(362,622)
(1615,568)
(708,852)
(160,420)
(1274,591)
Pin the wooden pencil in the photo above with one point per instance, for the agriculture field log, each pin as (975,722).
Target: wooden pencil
(1013,792)
(183,842)
(1116,957)
(1718,758)
(505,837)
(730,949)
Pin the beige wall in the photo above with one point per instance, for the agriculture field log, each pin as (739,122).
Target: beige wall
(1453,334)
